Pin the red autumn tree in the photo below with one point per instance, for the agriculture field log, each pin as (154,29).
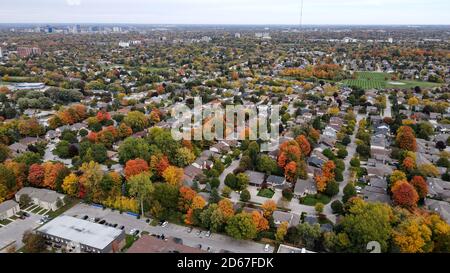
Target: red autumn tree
(404,194)
(36,175)
(92,137)
(134,167)
(303,142)
(406,139)
(103,116)
(419,183)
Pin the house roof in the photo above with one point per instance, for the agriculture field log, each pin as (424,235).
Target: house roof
(275,180)
(7,205)
(256,178)
(150,244)
(303,186)
(41,194)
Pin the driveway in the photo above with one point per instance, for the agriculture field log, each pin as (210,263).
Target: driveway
(216,242)
(12,233)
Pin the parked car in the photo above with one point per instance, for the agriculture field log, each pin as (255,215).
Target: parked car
(208,233)
(147,220)
(266,248)
(198,233)
(85,217)
(102,222)
(189,230)
(165,224)
(26,214)
(122,227)
(115,225)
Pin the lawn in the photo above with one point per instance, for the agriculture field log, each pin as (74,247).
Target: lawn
(70,202)
(313,199)
(380,80)
(129,241)
(5,222)
(267,193)
(35,210)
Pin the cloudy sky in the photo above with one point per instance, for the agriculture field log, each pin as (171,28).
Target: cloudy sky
(226,11)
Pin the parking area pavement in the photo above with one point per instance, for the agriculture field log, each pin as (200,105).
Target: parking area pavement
(216,242)
(12,233)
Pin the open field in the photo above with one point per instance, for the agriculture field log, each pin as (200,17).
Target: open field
(380,80)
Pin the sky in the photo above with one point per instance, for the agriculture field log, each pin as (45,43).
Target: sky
(357,12)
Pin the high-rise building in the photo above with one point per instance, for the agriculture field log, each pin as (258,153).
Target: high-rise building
(24,52)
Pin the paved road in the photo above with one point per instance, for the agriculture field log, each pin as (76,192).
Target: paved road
(388,110)
(351,149)
(216,242)
(234,164)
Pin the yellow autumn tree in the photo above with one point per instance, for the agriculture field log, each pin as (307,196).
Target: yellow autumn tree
(173,175)
(70,184)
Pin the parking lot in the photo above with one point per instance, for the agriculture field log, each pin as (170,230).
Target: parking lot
(215,242)
(12,233)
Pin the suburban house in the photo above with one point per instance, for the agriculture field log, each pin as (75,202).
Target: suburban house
(44,198)
(304,187)
(8,209)
(255,178)
(276,181)
(281,216)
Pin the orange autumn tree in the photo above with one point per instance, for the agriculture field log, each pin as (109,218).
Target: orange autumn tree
(19,170)
(197,203)
(261,223)
(289,151)
(134,167)
(406,139)
(52,170)
(327,176)
(268,208)
(419,183)
(103,116)
(225,206)
(409,163)
(185,199)
(304,145)
(159,163)
(290,171)
(404,194)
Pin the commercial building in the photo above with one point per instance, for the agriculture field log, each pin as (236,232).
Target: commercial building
(79,235)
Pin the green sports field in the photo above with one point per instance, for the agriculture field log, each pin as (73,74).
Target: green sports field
(380,80)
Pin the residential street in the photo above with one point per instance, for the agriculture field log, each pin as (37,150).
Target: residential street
(216,242)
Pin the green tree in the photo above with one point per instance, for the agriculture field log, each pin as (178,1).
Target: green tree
(309,234)
(245,196)
(133,148)
(241,227)
(141,187)
(349,192)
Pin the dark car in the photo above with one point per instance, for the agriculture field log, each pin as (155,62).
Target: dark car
(97,219)
(115,225)
(102,222)
(26,214)
(122,227)
(147,221)
(85,217)
(136,232)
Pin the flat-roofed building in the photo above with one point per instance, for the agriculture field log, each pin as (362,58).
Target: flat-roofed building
(83,236)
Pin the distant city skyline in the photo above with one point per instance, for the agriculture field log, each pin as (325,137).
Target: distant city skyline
(239,12)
